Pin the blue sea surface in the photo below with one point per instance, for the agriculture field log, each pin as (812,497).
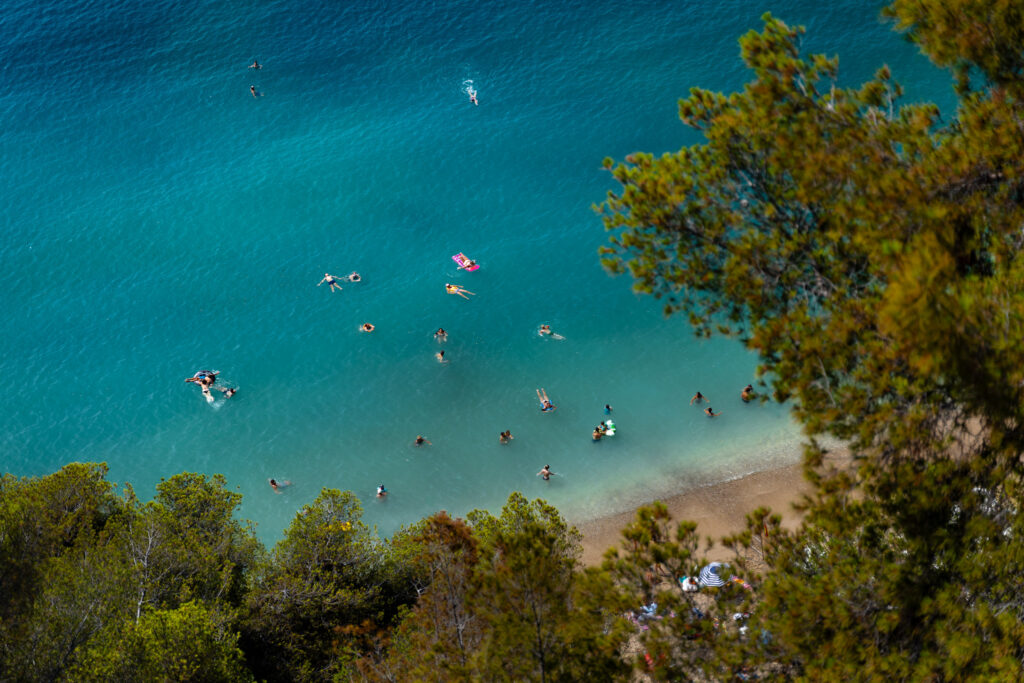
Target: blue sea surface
(158,219)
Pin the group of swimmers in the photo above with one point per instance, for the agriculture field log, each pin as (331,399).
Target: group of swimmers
(206,379)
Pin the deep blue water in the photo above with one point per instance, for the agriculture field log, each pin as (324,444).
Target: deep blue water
(158,219)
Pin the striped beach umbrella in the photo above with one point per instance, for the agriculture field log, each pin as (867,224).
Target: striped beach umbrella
(710,576)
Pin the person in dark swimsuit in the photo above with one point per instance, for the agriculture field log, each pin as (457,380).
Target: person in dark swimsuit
(331,281)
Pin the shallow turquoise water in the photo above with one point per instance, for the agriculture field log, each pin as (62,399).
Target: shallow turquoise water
(159,219)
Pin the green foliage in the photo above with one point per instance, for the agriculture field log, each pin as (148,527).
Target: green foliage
(332,585)
(982,35)
(872,258)
(505,602)
(189,643)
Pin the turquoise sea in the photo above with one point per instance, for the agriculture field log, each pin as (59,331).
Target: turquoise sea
(158,219)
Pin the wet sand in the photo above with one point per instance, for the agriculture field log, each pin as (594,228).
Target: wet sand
(718,509)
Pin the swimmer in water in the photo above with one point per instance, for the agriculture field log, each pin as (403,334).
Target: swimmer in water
(278,485)
(710,413)
(505,436)
(748,393)
(252,89)
(420,441)
(204,377)
(697,398)
(472,96)
(544,329)
(229,392)
(206,393)
(607,409)
(440,356)
(546,406)
(458,289)
(331,281)
(545,472)
(352,277)
(597,434)
(381,491)
(367,327)
(255,65)
(441,335)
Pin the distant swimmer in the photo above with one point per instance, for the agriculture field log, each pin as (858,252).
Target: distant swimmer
(748,393)
(472,96)
(545,331)
(252,89)
(505,436)
(441,335)
(206,393)
(228,392)
(545,472)
(255,65)
(697,398)
(440,356)
(420,441)
(596,436)
(607,409)
(331,281)
(458,289)
(278,485)
(367,327)
(710,413)
(546,406)
(381,491)
(353,277)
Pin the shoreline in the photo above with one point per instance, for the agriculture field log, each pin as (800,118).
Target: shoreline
(718,509)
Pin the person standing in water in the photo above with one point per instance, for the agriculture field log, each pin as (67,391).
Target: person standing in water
(748,393)
(545,472)
(607,409)
(697,398)
(710,413)
(381,491)
(331,281)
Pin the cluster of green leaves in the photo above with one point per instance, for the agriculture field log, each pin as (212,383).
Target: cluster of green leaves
(871,256)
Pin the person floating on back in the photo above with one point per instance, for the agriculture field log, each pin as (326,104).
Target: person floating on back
(546,406)
(458,289)
(331,281)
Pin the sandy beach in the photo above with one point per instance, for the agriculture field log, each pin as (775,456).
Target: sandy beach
(718,509)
